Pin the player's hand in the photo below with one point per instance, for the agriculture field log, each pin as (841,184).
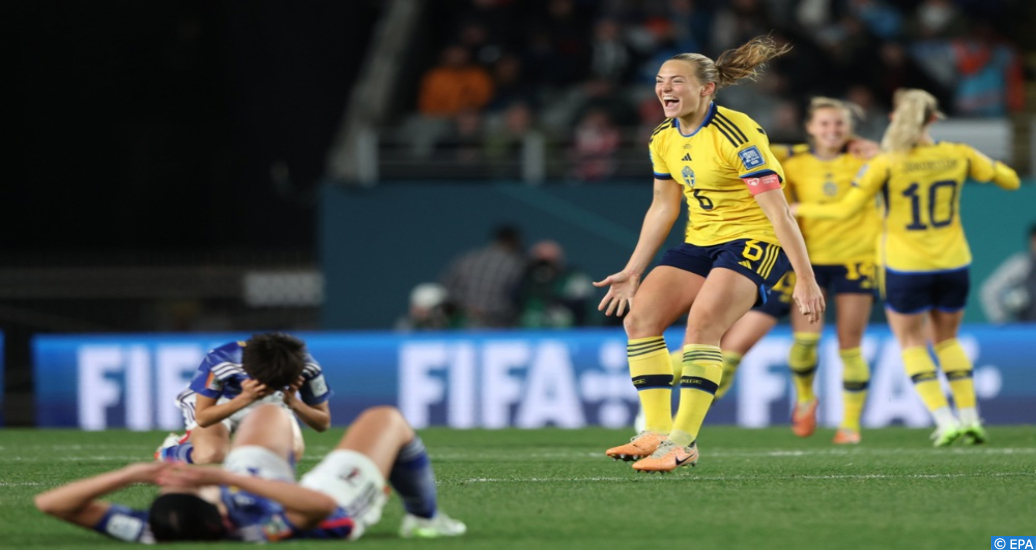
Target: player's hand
(810,299)
(145,472)
(863,148)
(253,389)
(621,288)
(186,475)
(793,208)
(290,394)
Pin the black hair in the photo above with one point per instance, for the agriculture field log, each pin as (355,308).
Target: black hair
(275,359)
(508,234)
(181,516)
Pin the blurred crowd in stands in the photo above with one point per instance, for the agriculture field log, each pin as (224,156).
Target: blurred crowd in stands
(503,285)
(581,72)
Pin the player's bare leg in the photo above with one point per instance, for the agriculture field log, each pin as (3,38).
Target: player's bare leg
(211,444)
(666,294)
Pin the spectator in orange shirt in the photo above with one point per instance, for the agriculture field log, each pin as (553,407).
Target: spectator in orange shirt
(454,85)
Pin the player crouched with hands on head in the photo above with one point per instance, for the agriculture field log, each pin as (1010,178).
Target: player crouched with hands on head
(236,377)
(253,497)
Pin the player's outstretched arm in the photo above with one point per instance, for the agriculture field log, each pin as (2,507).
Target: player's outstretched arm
(303,507)
(983,168)
(77,502)
(661,215)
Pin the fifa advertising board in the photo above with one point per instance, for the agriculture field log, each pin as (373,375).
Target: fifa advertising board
(502,379)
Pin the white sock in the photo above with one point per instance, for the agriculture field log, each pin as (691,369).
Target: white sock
(969,416)
(944,418)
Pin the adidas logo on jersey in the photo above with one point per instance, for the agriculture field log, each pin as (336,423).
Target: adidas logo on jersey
(686,158)
(745,263)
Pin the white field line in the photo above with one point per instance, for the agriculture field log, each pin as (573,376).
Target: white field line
(698,479)
(776,453)
(314,454)
(730,478)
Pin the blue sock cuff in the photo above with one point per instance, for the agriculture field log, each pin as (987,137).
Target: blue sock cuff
(413,455)
(412,477)
(185,453)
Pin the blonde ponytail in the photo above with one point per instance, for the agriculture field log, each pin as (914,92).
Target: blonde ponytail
(747,61)
(914,109)
(744,62)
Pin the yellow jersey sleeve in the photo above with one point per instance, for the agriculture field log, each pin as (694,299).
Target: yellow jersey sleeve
(984,169)
(784,151)
(656,148)
(751,157)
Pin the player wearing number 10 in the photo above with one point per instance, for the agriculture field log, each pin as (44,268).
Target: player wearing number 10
(923,253)
(739,228)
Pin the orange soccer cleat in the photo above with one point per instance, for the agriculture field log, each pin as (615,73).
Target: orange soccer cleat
(846,436)
(641,445)
(668,457)
(804,419)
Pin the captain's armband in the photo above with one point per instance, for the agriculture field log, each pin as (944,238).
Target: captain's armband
(769,182)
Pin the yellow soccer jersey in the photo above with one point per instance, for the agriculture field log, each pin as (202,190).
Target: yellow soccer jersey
(832,242)
(709,163)
(784,151)
(922,228)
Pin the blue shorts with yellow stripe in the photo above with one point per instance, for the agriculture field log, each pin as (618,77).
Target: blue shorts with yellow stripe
(917,292)
(779,300)
(848,278)
(763,263)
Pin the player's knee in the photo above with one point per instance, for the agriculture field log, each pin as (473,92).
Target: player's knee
(386,417)
(211,455)
(703,331)
(267,412)
(382,413)
(641,326)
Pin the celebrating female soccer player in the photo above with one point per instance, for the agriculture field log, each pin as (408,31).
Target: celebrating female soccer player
(924,254)
(843,254)
(738,219)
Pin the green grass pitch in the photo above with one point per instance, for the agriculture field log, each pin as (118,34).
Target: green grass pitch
(547,489)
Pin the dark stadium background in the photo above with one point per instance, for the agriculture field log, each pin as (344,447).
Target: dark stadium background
(191,134)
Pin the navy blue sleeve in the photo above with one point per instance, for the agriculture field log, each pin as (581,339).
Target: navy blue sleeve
(125,524)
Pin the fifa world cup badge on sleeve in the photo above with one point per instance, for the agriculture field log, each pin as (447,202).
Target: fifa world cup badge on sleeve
(212,383)
(318,385)
(751,158)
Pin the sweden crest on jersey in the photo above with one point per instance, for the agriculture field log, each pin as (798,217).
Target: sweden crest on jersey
(688,176)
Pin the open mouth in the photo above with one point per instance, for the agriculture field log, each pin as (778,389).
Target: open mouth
(670,102)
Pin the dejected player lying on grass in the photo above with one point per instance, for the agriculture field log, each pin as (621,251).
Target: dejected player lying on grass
(253,497)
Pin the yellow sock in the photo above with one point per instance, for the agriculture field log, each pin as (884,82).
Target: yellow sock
(702,372)
(676,362)
(803,363)
(921,368)
(855,379)
(957,367)
(731,360)
(652,375)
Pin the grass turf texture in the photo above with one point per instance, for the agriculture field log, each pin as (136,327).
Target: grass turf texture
(545,489)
